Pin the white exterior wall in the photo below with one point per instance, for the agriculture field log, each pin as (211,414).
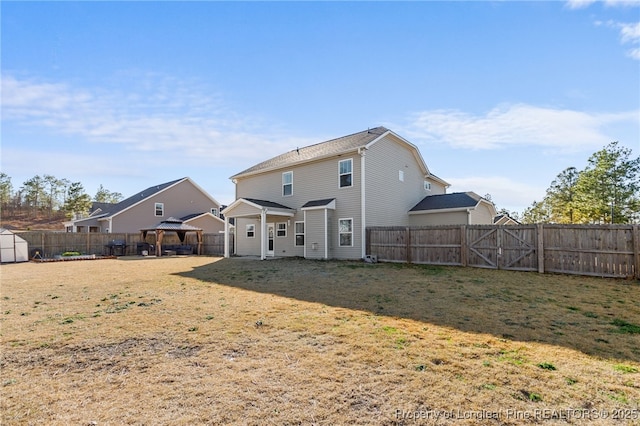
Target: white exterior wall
(311,181)
(388,199)
(247,246)
(315,234)
(482,215)
(447,218)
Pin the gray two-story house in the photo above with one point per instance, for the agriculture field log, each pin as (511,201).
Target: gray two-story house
(317,201)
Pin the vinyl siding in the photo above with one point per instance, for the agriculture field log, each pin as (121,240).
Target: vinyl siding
(482,215)
(179,200)
(311,181)
(208,224)
(315,231)
(448,218)
(388,200)
(244,210)
(247,246)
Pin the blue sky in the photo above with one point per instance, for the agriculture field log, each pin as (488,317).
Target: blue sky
(499,97)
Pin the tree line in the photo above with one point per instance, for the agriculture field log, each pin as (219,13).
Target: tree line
(50,196)
(606,191)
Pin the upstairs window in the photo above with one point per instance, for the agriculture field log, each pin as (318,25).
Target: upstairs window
(345,172)
(159,207)
(401,175)
(287,184)
(215,212)
(427,186)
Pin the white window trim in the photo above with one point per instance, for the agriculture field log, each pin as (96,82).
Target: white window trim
(427,185)
(340,233)
(296,233)
(283,184)
(253,227)
(155,209)
(350,160)
(278,229)
(215,212)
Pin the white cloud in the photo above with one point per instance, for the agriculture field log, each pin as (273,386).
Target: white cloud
(629,32)
(581,4)
(505,192)
(517,125)
(159,115)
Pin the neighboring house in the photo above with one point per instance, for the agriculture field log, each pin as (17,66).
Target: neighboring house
(317,201)
(504,219)
(181,198)
(459,208)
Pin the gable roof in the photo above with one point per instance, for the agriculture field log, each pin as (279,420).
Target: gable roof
(334,147)
(504,219)
(108,210)
(455,200)
(113,209)
(319,150)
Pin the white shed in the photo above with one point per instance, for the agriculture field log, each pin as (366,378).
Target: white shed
(12,247)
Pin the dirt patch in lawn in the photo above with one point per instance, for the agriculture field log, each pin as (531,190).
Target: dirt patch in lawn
(198,340)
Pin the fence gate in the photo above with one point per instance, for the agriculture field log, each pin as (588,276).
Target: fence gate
(512,247)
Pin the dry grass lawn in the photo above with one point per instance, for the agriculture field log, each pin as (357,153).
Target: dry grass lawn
(200,340)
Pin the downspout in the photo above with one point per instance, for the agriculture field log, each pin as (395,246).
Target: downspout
(304,247)
(326,234)
(111,225)
(363,210)
(263,233)
(226,237)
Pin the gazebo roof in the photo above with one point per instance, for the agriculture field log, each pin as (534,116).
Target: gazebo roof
(173,224)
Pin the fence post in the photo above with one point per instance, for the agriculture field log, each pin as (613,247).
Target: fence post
(636,249)
(408,243)
(367,242)
(540,248)
(463,246)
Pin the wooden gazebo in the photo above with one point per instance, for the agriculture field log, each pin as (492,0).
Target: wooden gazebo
(173,225)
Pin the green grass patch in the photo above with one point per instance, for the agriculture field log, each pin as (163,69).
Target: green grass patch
(547,366)
(625,327)
(627,369)
(512,357)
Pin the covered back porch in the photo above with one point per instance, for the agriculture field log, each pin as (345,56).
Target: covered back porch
(265,214)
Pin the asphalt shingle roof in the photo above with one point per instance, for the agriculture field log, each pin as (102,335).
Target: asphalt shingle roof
(330,147)
(265,203)
(448,201)
(111,209)
(317,203)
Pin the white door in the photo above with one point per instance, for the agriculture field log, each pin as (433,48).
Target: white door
(270,240)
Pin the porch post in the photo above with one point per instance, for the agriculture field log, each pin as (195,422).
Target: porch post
(263,233)
(226,236)
(159,235)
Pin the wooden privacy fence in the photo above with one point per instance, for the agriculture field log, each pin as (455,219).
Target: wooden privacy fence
(50,243)
(598,250)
